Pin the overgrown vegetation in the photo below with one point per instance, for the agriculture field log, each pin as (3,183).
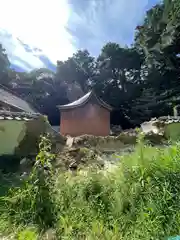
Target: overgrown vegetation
(32,201)
(138,199)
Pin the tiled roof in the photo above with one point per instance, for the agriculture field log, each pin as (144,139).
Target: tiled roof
(9,98)
(83,100)
(19,116)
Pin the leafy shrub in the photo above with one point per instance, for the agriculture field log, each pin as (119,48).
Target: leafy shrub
(33,201)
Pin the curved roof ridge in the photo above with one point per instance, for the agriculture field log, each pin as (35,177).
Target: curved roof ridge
(83,100)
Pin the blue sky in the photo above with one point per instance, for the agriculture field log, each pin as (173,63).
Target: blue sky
(59,27)
(100,21)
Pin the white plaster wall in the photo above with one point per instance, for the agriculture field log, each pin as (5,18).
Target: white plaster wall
(11,133)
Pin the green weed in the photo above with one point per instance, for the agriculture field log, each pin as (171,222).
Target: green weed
(32,202)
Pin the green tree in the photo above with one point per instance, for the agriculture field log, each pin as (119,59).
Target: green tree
(4,66)
(118,78)
(42,90)
(158,38)
(77,70)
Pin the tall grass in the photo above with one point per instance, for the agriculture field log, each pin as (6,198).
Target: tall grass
(140,199)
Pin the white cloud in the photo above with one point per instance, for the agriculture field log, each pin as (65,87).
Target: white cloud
(17,54)
(42,24)
(39,23)
(106,20)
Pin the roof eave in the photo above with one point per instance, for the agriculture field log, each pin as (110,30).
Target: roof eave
(104,105)
(30,108)
(64,107)
(101,103)
(20,114)
(19,108)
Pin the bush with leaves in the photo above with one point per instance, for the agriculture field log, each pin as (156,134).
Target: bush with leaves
(32,202)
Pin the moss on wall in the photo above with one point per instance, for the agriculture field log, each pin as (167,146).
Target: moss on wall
(172,131)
